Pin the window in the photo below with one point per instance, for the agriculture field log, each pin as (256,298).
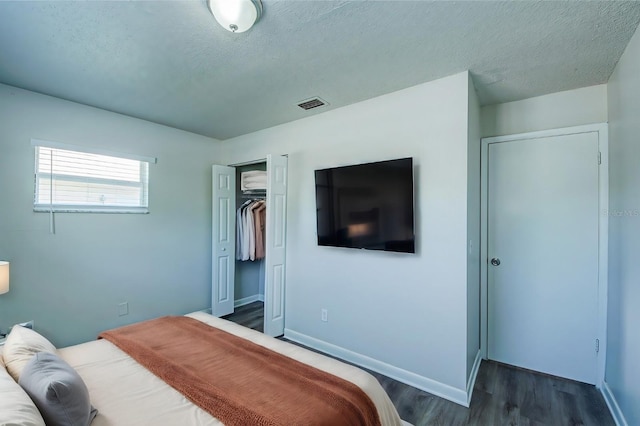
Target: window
(72,179)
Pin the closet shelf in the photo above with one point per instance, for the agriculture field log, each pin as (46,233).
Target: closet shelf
(254,193)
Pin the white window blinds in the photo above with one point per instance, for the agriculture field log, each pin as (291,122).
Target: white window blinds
(72,179)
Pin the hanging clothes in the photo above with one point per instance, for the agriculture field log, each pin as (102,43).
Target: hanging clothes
(247,219)
(240,229)
(260,219)
(250,236)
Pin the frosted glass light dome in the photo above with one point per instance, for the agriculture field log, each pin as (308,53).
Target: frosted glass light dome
(236,16)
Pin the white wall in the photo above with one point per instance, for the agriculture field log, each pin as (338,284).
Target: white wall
(408,311)
(70,283)
(473,230)
(623,348)
(587,105)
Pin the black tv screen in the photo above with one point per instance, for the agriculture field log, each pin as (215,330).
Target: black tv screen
(367,206)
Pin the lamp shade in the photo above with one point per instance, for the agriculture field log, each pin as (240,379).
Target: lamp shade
(236,16)
(4,277)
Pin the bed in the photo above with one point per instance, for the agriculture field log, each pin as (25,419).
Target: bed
(126,393)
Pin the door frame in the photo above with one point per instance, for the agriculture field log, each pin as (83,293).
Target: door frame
(268,328)
(603,228)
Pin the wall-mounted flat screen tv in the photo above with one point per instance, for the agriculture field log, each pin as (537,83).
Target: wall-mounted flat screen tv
(367,206)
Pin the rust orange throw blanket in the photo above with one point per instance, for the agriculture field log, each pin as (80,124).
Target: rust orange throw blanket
(240,382)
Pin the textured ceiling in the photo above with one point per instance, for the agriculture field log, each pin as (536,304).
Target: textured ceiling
(169,62)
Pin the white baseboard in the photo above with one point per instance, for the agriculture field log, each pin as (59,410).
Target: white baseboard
(247,300)
(614,408)
(472,377)
(431,386)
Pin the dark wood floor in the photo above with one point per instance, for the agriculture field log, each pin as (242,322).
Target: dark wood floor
(251,315)
(503,395)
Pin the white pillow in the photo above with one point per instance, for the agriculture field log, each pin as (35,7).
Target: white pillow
(16,408)
(21,345)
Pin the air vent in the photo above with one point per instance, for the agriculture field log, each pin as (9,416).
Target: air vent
(312,103)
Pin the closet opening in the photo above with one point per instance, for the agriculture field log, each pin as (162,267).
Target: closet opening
(251,213)
(248,241)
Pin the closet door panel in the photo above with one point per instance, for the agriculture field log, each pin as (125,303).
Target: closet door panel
(275,242)
(223,215)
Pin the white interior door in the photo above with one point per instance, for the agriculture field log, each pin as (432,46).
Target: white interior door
(543,217)
(275,245)
(223,215)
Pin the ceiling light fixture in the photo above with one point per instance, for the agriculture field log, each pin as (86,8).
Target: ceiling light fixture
(236,16)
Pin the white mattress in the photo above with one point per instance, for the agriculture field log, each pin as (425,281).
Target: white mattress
(125,393)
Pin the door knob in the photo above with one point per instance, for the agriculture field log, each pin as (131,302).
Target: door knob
(495,261)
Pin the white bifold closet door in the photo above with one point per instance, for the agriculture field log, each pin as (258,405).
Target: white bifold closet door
(223,242)
(223,220)
(275,245)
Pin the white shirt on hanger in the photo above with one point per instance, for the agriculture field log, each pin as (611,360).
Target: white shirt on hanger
(247,236)
(240,231)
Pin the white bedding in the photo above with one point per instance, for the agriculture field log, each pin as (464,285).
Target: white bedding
(125,393)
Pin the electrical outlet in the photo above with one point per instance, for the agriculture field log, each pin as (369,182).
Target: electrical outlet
(123,309)
(324,315)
